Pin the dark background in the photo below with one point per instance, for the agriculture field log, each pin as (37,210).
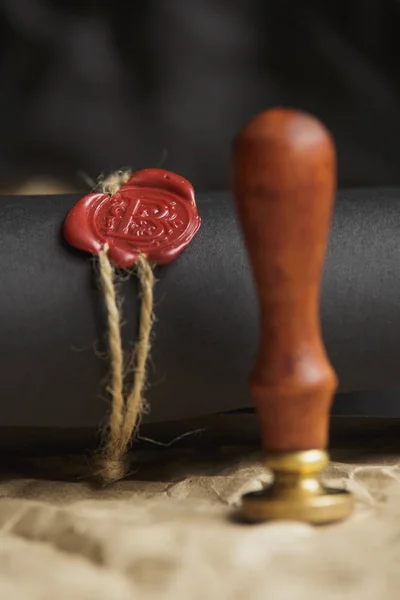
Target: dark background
(90,86)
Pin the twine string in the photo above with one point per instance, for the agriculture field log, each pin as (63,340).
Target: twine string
(135,403)
(125,413)
(112,444)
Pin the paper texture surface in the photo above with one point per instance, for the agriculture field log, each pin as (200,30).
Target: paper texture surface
(167,533)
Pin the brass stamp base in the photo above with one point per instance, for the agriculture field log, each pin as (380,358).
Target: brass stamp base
(296,493)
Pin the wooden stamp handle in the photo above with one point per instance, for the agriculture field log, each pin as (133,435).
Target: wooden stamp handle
(284,183)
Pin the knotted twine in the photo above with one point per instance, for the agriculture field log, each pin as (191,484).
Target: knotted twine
(126,410)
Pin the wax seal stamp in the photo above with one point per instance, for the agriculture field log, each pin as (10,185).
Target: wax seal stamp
(284,181)
(154,213)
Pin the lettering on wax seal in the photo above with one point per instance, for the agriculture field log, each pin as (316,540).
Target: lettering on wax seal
(154,213)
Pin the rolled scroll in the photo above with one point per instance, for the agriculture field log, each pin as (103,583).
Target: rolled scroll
(53,326)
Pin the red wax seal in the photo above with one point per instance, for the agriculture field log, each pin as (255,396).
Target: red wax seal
(154,213)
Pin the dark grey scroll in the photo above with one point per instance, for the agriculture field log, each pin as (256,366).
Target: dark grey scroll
(52,327)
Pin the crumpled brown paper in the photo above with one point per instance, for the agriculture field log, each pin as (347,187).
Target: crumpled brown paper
(166,533)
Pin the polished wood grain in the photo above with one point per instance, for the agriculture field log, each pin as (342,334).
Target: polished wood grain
(284,184)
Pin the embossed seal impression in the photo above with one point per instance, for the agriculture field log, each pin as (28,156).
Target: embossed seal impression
(154,213)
